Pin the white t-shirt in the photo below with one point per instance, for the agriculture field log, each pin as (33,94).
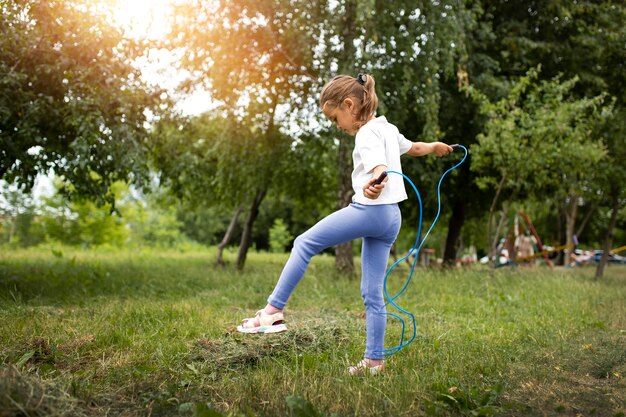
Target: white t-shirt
(378,142)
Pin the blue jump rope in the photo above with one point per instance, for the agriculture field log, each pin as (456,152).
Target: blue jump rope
(414,250)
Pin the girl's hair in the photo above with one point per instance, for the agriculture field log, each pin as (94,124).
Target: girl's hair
(361,89)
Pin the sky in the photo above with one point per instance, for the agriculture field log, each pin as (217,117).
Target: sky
(148,19)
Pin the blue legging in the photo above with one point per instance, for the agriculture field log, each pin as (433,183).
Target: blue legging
(378,226)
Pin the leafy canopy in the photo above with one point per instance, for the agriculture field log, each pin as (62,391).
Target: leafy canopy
(538,137)
(70,99)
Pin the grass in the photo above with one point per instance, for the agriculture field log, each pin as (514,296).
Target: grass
(151,333)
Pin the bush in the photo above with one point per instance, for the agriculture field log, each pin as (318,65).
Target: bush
(279,236)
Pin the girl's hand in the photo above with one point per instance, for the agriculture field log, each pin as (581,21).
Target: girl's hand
(441,149)
(371,190)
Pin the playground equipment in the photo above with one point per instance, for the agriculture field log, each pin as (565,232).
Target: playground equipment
(618,250)
(523,244)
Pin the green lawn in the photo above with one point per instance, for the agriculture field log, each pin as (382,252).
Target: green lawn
(150,332)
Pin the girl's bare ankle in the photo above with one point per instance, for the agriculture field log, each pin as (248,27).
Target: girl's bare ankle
(270,309)
(373,362)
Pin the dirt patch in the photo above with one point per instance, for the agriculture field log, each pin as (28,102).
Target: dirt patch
(40,352)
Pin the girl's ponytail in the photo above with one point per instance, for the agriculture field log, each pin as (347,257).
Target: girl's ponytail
(370,99)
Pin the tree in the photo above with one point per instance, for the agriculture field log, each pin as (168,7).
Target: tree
(279,236)
(613,177)
(344,27)
(70,99)
(17,210)
(419,52)
(81,221)
(211,160)
(538,139)
(233,56)
(563,36)
(202,161)
(255,58)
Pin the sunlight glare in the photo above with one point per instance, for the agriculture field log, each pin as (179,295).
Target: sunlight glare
(143,19)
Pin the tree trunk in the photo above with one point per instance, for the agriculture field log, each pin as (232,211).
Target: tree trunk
(570,218)
(270,138)
(559,237)
(228,235)
(344,253)
(454,232)
(582,225)
(246,235)
(12,229)
(493,256)
(608,243)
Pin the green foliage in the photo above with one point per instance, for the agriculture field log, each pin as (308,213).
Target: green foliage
(139,220)
(70,99)
(300,407)
(153,225)
(18,216)
(308,178)
(260,51)
(279,236)
(407,47)
(538,138)
(204,224)
(565,38)
(254,66)
(467,401)
(82,222)
(612,176)
(214,161)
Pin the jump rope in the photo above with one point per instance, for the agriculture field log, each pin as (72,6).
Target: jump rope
(417,247)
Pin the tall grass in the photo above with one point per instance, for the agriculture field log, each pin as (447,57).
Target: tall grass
(152,332)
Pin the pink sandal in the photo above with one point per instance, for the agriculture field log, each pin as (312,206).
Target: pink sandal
(362,368)
(263,323)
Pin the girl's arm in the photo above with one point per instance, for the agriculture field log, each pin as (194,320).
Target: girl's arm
(425,148)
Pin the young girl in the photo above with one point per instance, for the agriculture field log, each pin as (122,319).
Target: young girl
(374,214)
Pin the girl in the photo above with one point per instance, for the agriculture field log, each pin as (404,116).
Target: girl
(374,214)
